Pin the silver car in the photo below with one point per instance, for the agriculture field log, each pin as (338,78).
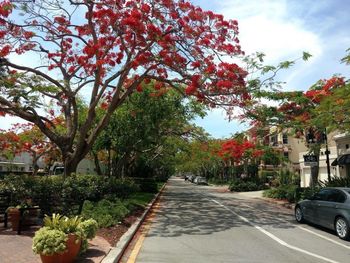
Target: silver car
(329,208)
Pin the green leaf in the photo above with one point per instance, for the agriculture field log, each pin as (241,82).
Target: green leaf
(306,56)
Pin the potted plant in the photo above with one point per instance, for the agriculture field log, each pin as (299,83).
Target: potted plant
(25,210)
(51,244)
(76,232)
(14,216)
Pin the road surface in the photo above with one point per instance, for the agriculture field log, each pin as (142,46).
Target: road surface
(200,224)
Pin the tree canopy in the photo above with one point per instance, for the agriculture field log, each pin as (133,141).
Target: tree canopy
(52,52)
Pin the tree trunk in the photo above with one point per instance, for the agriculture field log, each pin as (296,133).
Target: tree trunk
(97,163)
(315,169)
(70,165)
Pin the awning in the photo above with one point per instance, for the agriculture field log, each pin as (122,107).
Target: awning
(342,160)
(335,162)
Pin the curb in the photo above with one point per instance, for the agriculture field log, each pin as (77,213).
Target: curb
(117,252)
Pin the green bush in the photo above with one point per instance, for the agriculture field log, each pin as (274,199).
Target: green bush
(54,194)
(337,182)
(138,200)
(217,181)
(49,241)
(240,185)
(282,192)
(105,212)
(147,185)
(89,228)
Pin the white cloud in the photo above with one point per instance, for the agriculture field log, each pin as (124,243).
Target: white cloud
(267,26)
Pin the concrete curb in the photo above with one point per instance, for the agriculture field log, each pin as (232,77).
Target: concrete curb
(116,252)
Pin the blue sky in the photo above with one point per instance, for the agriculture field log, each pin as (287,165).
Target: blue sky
(283,29)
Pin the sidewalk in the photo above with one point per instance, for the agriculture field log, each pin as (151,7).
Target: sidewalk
(18,248)
(255,194)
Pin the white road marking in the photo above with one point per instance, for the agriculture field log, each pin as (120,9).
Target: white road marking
(281,242)
(324,237)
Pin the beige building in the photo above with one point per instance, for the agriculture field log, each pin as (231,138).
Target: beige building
(342,162)
(294,150)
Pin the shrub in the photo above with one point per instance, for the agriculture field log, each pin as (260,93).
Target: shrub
(54,194)
(147,185)
(89,228)
(49,241)
(217,181)
(105,212)
(337,182)
(239,185)
(282,192)
(138,200)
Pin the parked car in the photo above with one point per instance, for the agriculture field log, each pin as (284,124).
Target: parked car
(191,178)
(200,180)
(330,208)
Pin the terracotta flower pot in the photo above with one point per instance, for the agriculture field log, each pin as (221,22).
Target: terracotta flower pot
(14,217)
(73,248)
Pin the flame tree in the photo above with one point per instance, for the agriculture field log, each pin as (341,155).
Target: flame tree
(52,51)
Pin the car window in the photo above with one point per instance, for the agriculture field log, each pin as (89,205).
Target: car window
(336,196)
(322,195)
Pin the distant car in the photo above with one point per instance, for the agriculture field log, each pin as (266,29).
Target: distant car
(330,208)
(191,178)
(200,180)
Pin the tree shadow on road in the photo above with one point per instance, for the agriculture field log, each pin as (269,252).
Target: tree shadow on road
(187,212)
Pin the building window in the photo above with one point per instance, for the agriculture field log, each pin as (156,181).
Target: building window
(285,138)
(273,140)
(286,155)
(346,146)
(0,168)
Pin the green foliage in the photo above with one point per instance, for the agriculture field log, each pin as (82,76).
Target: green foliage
(286,177)
(144,129)
(217,181)
(267,176)
(138,200)
(49,241)
(53,194)
(246,185)
(306,56)
(292,193)
(346,59)
(282,192)
(336,182)
(89,228)
(107,213)
(148,185)
(84,229)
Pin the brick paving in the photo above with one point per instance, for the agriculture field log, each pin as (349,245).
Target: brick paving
(18,248)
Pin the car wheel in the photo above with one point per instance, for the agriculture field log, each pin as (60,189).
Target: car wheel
(299,214)
(342,228)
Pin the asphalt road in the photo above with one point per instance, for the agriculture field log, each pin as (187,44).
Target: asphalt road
(199,224)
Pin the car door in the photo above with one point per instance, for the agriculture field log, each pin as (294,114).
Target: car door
(317,205)
(328,210)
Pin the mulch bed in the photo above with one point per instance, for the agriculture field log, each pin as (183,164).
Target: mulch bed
(114,233)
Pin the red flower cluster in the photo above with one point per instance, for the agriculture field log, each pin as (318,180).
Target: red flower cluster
(236,150)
